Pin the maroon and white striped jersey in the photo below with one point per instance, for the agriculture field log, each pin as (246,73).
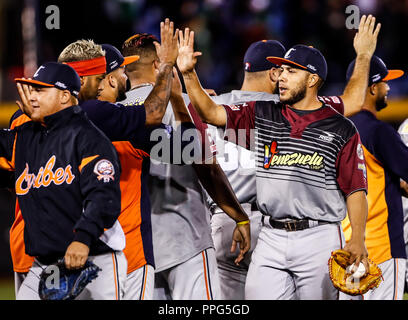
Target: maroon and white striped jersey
(307,163)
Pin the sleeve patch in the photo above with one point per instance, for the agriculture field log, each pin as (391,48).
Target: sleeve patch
(104,170)
(360,152)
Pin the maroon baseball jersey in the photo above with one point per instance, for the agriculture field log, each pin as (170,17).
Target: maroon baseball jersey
(307,162)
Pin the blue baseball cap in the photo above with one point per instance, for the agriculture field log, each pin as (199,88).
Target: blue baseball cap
(114,59)
(304,57)
(378,71)
(54,74)
(257,52)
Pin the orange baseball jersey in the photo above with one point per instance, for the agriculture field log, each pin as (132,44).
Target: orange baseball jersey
(21,261)
(135,214)
(386,158)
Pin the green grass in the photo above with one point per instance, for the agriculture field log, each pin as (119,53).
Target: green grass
(7,289)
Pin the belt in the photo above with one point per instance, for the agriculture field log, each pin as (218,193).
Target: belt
(293,225)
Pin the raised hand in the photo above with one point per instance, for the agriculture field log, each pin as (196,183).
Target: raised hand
(187,58)
(365,40)
(167,51)
(24,90)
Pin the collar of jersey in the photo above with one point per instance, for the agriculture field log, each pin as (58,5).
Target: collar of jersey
(60,117)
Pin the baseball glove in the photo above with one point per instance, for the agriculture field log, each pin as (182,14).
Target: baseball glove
(345,282)
(59,283)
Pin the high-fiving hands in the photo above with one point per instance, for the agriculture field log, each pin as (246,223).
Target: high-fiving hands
(365,40)
(167,50)
(187,57)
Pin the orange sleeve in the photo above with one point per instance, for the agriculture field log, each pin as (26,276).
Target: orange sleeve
(21,261)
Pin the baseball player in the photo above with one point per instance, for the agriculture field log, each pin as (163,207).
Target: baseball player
(260,82)
(140,278)
(121,123)
(56,162)
(385,155)
(308,173)
(180,219)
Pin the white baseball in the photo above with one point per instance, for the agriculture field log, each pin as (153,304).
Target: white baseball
(358,273)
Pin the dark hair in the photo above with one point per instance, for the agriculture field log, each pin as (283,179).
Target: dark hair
(138,43)
(141,44)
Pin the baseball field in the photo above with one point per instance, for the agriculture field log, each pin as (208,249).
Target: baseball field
(7,289)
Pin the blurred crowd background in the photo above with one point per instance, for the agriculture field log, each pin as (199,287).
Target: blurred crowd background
(224,29)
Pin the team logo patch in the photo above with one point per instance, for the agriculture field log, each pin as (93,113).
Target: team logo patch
(360,152)
(60,84)
(311,67)
(327,136)
(113,64)
(37,72)
(376,77)
(287,54)
(104,170)
(247,66)
(272,158)
(362,167)
(234,107)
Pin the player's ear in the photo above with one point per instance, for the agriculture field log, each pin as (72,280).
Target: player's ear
(65,97)
(313,80)
(111,80)
(156,64)
(274,74)
(373,89)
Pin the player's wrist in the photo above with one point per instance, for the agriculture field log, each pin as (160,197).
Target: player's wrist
(188,74)
(357,238)
(243,222)
(364,55)
(165,66)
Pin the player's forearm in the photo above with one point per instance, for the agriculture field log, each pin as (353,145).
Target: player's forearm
(207,109)
(357,209)
(404,188)
(156,102)
(179,109)
(218,187)
(355,92)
